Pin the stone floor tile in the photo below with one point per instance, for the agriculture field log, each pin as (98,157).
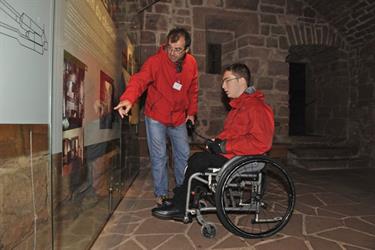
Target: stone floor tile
(122,228)
(360,225)
(152,241)
(310,200)
(256,241)
(320,244)
(133,193)
(143,204)
(304,209)
(315,224)
(353,210)
(129,244)
(294,226)
(327,213)
(149,195)
(347,247)
(108,241)
(370,219)
(307,189)
(156,226)
(231,242)
(351,237)
(144,213)
(177,242)
(125,218)
(126,205)
(335,199)
(285,243)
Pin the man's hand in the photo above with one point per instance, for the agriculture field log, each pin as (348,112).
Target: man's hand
(191,118)
(216,146)
(123,108)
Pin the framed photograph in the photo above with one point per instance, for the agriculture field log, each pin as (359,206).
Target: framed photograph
(124,56)
(106,101)
(130,59)
(73,95)
(72,153)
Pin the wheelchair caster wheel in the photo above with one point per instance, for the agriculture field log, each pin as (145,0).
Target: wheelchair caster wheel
(208,230)
(187,219)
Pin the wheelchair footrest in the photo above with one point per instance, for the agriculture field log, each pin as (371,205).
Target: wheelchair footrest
(258,221)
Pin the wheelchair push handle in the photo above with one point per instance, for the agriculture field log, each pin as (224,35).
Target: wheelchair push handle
(190,126)
(191,130)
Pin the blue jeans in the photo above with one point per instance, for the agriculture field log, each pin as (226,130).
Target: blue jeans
(157,146)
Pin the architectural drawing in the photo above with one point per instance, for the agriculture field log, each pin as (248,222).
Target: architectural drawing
(22,28)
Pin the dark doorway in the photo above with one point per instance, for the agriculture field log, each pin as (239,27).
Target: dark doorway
(213,58)
(297,96)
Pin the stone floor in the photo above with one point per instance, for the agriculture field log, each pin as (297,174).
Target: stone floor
(334,210)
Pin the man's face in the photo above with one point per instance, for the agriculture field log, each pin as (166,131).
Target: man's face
(176,50)
(232,85)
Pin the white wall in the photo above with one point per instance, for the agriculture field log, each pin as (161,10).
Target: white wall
(25,77)
(86,31)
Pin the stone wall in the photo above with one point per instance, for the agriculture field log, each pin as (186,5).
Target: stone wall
(25,199)
(362,104)
(258,33)
(329,83)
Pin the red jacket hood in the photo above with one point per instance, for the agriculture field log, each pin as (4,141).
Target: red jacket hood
(256,96)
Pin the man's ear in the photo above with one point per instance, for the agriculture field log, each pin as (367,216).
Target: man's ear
(187,49)
(243,81)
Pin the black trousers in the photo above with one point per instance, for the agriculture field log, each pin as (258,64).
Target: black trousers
(198,162)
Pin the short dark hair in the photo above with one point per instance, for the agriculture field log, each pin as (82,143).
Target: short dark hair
(240,70)
(176,33)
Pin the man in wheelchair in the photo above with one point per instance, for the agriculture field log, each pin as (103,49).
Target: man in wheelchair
(248,130)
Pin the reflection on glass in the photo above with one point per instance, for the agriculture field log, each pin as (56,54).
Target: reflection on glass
(81,198)
(84,199)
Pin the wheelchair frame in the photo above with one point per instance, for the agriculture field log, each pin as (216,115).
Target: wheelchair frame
(245,186)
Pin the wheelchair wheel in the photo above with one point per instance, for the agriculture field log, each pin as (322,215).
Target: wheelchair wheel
(208,230)
(255,197)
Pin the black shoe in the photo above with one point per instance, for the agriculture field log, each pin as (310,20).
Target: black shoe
(166,203)
(166,212)
(181,217)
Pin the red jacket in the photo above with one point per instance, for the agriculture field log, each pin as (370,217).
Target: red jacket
(249,126)
(165,103)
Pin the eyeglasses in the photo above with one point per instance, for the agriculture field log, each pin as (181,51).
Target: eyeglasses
(228,80)
(175,50)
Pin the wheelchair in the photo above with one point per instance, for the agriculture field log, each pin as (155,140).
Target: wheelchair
(253,197)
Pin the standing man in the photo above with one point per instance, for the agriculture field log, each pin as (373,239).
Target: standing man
(248,130)
(171,78)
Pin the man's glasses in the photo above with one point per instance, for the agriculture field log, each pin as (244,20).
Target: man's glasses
(228,80)
(175,50)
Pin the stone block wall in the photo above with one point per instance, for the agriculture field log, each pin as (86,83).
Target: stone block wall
(329,87)
(25,199)
(362,105)
(259,33)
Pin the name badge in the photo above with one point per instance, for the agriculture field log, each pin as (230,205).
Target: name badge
(177,86)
